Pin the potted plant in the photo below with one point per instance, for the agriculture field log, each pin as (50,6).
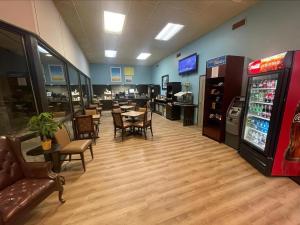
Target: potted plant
(46,126)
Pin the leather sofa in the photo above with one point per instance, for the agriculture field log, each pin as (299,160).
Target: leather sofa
(23,185)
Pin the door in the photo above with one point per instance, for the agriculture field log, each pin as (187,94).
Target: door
(261,106)
(201,93)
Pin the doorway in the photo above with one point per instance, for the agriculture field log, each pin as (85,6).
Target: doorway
(201,100)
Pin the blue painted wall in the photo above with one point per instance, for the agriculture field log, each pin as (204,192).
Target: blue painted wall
(272,27)
(100,74)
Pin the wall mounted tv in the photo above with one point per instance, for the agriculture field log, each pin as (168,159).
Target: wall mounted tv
(188,64)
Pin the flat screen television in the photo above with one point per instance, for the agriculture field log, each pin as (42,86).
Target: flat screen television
(188,64)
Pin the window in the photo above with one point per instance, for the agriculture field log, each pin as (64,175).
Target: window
(84,88)
(75,88)
(55,83)
(17,102)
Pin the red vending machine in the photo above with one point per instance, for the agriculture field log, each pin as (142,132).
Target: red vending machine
(270,138)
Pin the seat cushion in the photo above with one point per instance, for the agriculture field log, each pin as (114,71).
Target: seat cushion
(10,170)
(127,124)
(77,146)
(139,124)
(20,195)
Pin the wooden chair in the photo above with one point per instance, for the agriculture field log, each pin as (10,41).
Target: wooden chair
(85,129)
(117,110)
(115,106)
(120,124)
(68,147)
(145,123)
(91,112)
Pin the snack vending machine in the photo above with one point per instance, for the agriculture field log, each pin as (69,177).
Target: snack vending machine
(270,138)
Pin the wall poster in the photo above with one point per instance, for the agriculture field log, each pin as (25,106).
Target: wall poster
(164,82)
(56,72)
(115,74)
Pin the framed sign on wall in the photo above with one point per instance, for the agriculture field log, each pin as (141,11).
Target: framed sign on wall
(164,82)
(115,74)
(56,72)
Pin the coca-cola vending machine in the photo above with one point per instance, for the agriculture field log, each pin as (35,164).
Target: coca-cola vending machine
(270,138)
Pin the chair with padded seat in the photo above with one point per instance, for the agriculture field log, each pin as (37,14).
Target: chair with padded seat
(145,123)
(23,185)
(85,127)
(96,122)
(120,124)
(69,148)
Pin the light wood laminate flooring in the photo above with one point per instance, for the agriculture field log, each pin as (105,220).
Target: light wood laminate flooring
(178,177)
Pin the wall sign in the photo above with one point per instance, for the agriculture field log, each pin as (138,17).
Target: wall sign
(164,82)
(216,62)
(214,72)
(128,71)
(115,74)
(56,72)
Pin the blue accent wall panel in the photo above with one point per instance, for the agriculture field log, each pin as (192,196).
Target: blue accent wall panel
(100,74)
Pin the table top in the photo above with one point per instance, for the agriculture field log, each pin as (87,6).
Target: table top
(127,107)
(133,113)
(96,116)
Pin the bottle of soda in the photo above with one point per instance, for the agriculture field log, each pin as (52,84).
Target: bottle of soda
(293,150)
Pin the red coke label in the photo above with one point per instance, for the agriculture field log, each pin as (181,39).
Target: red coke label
(296,118)
(293,151)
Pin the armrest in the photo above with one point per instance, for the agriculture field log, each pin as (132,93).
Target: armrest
(38,170)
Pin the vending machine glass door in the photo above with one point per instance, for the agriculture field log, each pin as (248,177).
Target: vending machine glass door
(259,109)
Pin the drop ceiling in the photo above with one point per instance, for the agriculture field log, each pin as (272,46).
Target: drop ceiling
(144,19)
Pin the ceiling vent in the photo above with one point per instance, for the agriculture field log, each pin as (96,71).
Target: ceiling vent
(239,24)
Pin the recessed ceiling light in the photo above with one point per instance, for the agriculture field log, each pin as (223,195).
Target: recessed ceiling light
(42,50)
(143,56)
(168,31)
(110,53)
(113,22)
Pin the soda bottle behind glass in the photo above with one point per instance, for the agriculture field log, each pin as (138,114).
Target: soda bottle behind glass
(293,150)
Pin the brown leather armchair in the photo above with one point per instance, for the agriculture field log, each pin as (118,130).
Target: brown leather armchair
(23,185)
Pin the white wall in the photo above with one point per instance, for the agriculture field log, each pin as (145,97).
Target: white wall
(42,18)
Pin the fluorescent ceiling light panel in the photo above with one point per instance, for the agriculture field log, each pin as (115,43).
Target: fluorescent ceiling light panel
(168,31)
(110,53)
(113,22)
(143,56)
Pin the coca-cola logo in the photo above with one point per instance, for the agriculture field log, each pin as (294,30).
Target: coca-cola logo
(296,118)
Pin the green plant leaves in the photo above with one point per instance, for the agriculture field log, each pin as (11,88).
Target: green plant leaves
(44,124)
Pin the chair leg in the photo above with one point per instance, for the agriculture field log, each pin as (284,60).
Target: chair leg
(82,160)
(151,130)
(115,132)
(91,150)
(60,182)
(123,134)
(145,133)
(70,157)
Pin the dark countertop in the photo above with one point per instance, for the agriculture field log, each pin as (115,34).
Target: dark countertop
(185,104)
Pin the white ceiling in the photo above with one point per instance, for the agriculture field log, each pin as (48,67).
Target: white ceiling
(144,19)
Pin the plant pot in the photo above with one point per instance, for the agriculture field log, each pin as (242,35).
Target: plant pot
(46,145)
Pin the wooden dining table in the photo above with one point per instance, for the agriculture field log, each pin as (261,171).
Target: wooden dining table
(132,114)
(96,116)
(126,107)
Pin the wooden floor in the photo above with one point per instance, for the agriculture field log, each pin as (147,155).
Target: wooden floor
(178,177)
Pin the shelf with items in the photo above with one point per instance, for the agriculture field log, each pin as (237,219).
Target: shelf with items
(261,147)
(255,137)
(259,117)
(249,127)
(264,103)
(218,94)
(262,89)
